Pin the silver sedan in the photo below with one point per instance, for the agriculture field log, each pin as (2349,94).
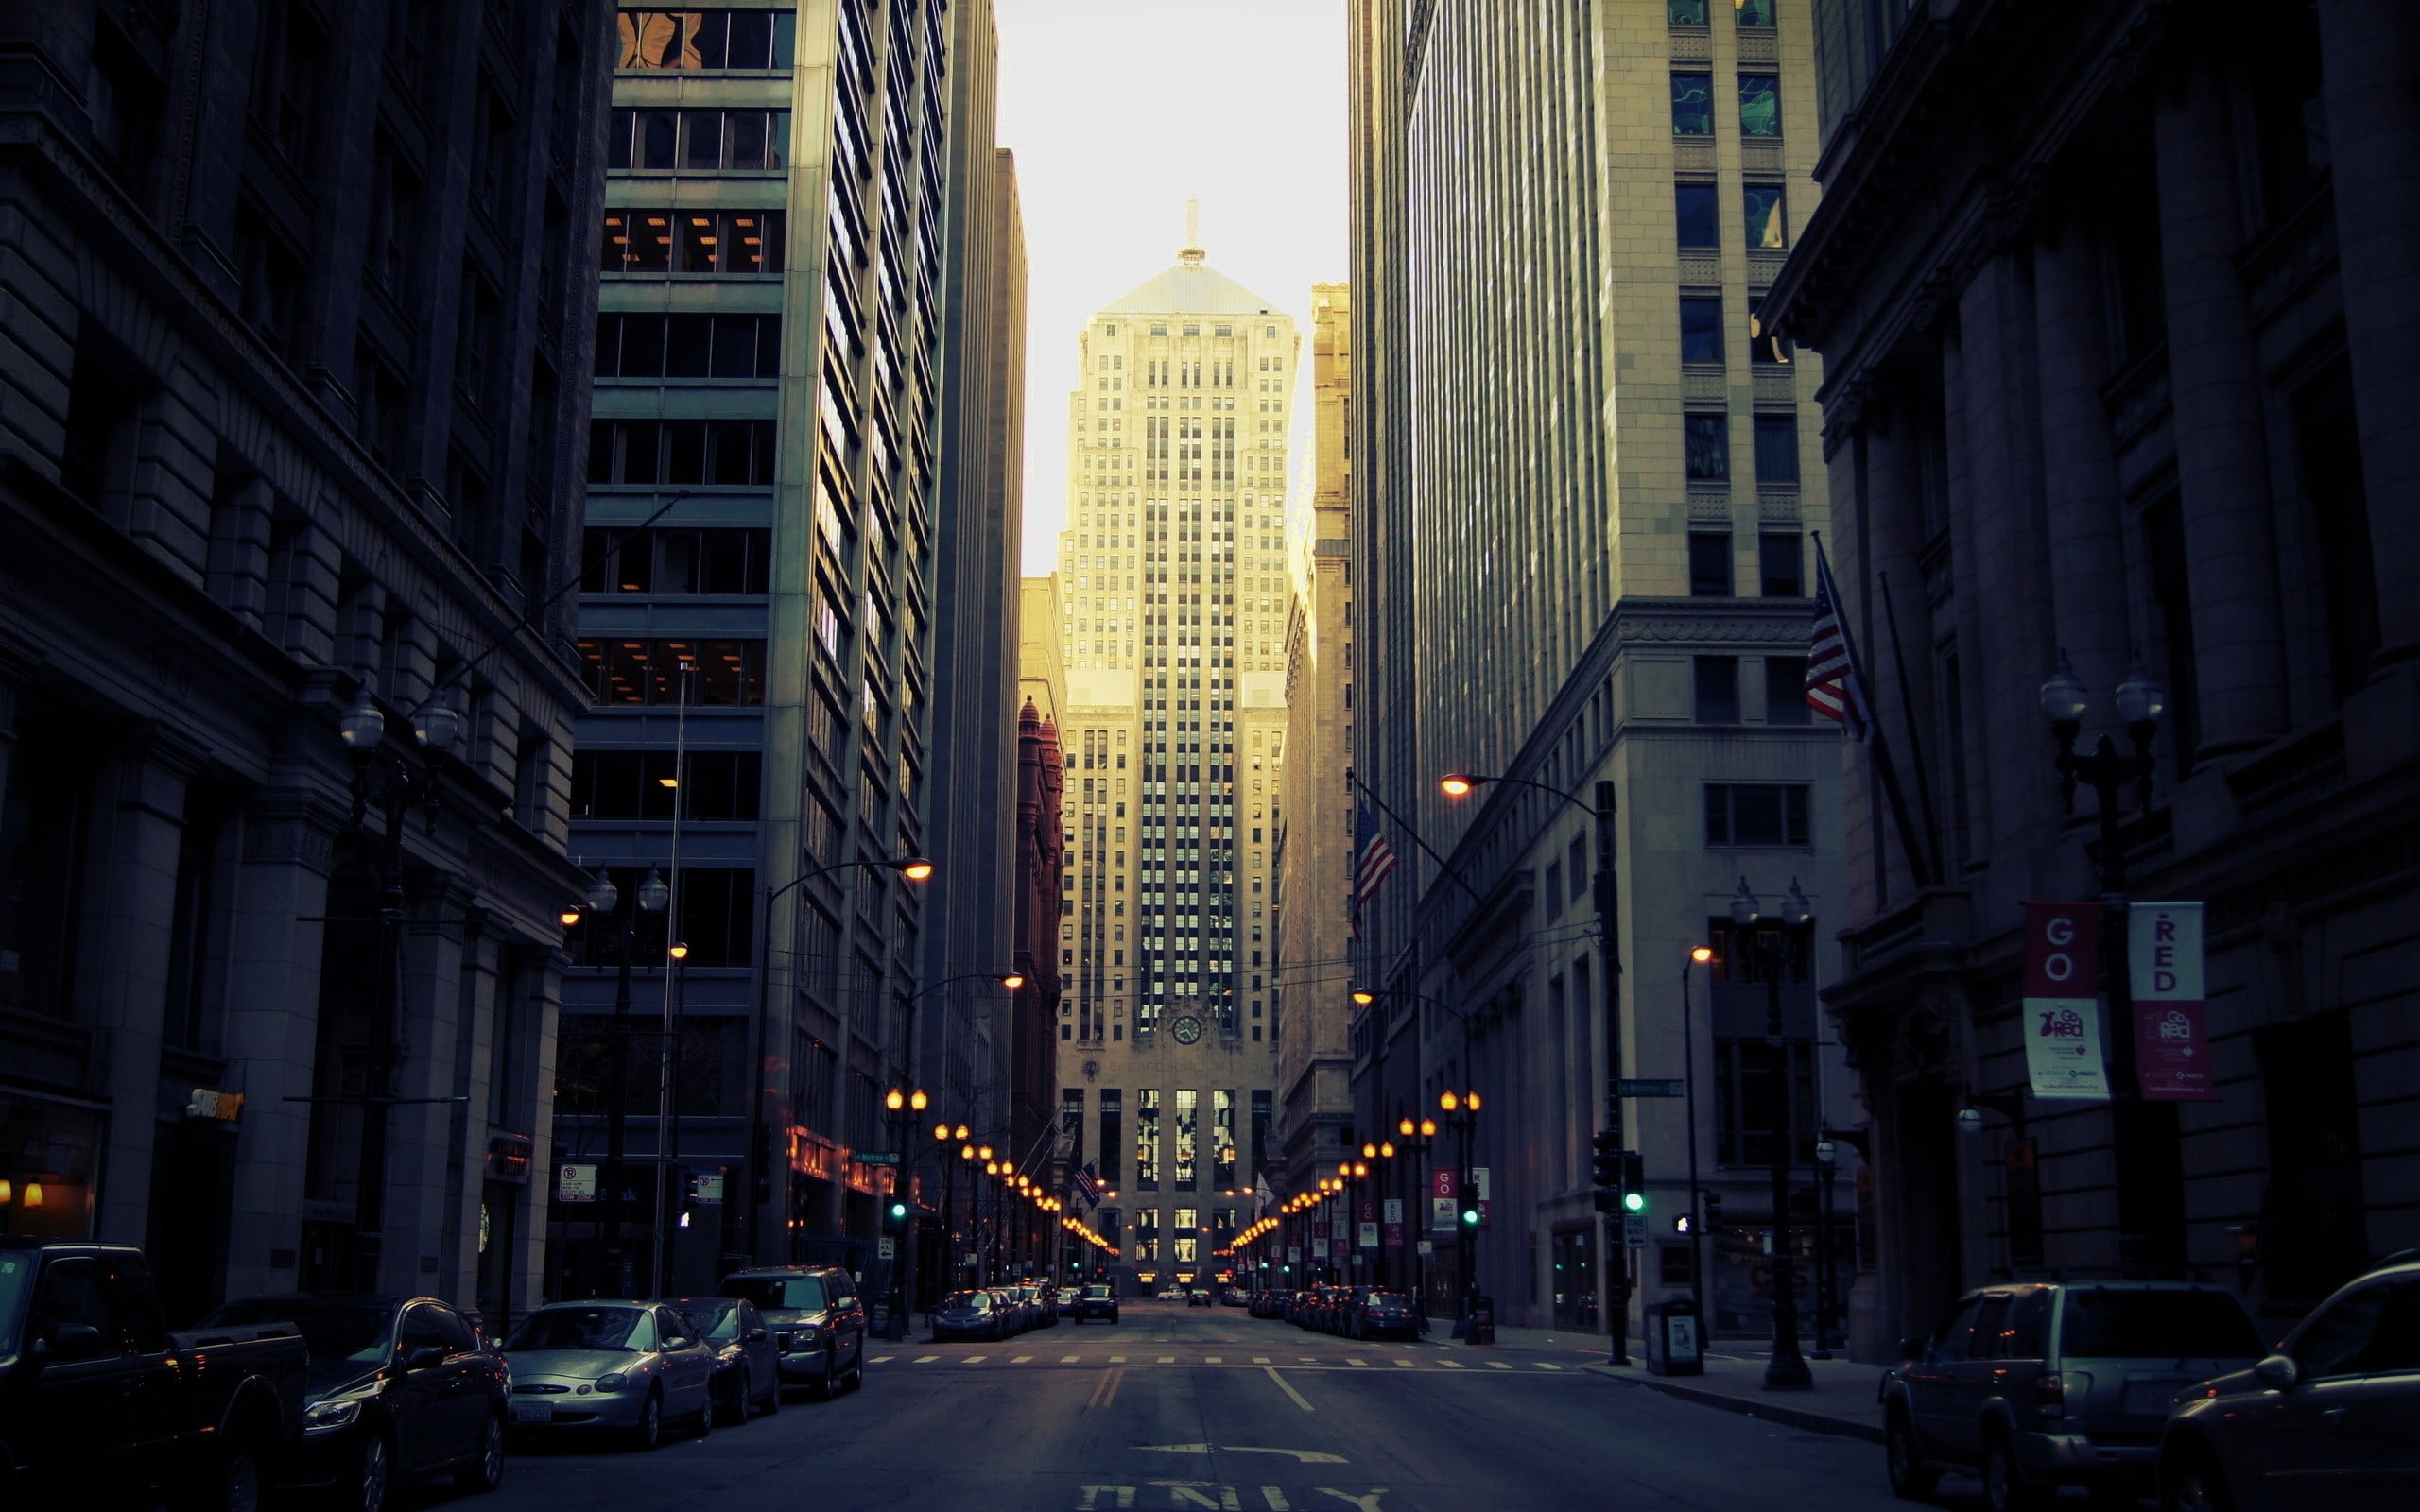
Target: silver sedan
(618,1367)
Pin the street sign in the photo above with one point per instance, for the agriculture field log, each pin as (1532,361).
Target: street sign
(877,1157)
(710,1186)
(887,1247)
(1650,1087)
(1633,1230)
(576,1183)
(1427,1249)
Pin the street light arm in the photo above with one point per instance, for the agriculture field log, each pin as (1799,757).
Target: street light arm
(1572,799)
(1401,823)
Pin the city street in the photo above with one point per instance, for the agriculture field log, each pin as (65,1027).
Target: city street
(1182,1408)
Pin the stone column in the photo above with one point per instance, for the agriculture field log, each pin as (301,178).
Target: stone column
(2080,498)
(475,1055)
(420,1133)
(2370,83)
(139,829)
(2215,393)
(272,1027)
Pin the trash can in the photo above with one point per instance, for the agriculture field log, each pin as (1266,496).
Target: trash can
(1673,1343)
(1482,1321)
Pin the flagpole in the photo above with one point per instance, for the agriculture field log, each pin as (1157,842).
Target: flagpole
(1426,848)
(1855,699)
(1915,741)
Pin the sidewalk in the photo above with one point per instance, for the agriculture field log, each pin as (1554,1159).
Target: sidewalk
(1842,1402)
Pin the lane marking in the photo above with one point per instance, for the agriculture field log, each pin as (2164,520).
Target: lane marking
(879,1359)
(1366,1503)
(974,1359)
(1286,1386)
(1021,1359)
(1117,1359)
(1168,1359)
(1277,1499)
(1067,1359)
(1307,1456)
(926,1358)
(1408,1364)
(1091,1497)
(1349,1360)
(1453,1364)
(1497,1364)
(1213,1358)
(1542,1366)
(1260,1359)
(1105,1389)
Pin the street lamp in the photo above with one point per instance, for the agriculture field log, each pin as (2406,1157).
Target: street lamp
(604,902)
(1606,892)
(760,1147)
(2140,701)
(1787,1370)
(1699,955)
(1461,1111)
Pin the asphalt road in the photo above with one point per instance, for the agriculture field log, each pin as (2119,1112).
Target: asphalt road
(1184,1408)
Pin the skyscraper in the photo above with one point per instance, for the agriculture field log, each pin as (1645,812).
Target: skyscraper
(1171,594)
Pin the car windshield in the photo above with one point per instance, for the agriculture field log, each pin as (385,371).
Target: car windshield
(1097,1290)
(332,1331)
(2156,1325)
(577,1327)
(966,1303)
(717,1318)
(793,1294)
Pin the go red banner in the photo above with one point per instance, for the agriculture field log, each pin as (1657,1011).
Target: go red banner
(2062,1053)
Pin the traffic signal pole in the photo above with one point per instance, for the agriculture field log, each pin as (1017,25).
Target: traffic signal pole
(1608,907)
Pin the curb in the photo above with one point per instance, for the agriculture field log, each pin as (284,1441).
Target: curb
(1799,1418)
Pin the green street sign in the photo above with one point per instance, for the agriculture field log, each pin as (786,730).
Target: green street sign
(877,1157)
(1648,1087)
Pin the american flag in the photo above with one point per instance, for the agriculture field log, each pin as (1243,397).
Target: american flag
(1833,688)
(1373,858)
(1088,1182)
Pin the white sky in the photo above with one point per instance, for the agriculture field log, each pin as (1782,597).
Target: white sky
(1119,111)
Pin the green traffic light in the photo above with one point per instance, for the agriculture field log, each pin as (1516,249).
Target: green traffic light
(899,1210)
(1633,1202)
(1470,1215)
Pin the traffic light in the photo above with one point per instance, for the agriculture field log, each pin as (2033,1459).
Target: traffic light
(1633,1184)
(894,1214)
(1713,1204)
(1608,1169)
(1470,1205)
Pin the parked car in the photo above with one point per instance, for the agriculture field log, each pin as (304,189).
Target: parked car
(975,1314)
(1014,1311)
(1233,1296)
(1044,1311)
(1095,1299)
(1198,1299)
(1376,1314)
(618,1367)
(748,1365)
(2040,1385)
(818,1323)
(2331,1418)
(101,1405)
(397,1389)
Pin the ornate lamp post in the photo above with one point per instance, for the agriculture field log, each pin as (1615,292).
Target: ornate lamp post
(1461,1111)
(1414,1136)
(1787,1370)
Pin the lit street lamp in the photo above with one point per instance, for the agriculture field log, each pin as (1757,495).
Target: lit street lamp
(1787,1370)
(1461,1111)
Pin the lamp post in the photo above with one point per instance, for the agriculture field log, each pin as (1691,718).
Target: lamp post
(2108,772)
(760,1143)
(1787,1370)
(604,902)
(1461,1111)
(944,1135)
(1699,955)
(1413,1138)
(1383,1152)
(1826,1153)
(904,1106)
(1606,893)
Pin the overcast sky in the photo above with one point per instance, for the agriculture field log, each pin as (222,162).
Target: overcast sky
(1121,110)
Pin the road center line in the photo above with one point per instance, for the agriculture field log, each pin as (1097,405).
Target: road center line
(1286,1386)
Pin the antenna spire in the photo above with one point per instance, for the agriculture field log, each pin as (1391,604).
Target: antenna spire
(1191,251)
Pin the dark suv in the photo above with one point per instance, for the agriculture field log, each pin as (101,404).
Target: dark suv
(1094,1299)
(2039,1385)
(819,1322)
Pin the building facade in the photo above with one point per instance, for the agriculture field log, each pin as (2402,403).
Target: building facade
(1593,567)
(780,260)
(1172,599)
(293,387)
(2131,388)
(1310,933)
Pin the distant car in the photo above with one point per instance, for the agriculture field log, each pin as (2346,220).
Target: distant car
(1377,1313)
(973,1315)
(818,1319)
(1095,1299)
(1198,1299)
(622,1367)
(2331,1418)
(1234,1296)
(748,1365)
(2040,1385)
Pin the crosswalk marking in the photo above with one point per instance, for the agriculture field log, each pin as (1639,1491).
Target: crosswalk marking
(974,1359)
(1349,1360)
(1453,1364)
(1117,1359)
(1213,1358)
(926,1358)
(1402,1362)
(1542,1366)
(1021,1359)
(1497,1364)
(879,1359)
(1067,1359)
(1168,1359)
(1260,1359)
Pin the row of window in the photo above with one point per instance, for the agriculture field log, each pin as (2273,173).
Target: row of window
(1702,333)
(1756,814)
(1706,443)
(1781,564)
(688,346)
(706,39)
(1759,105)
(708,785)
(1718,690)
(676,562)
(641,451)
(1748,14)
(723,672)
(713,913)
(704,141)
(1697,211)
(729,243)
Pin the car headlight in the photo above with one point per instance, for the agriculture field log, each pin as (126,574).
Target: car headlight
(334,1413)
(617,1380)
(806,1337)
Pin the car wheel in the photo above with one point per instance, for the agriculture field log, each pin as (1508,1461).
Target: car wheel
(857,1371)
(829,1386)
(772,1402)
(239,1486)
(2005,1487)
(648,1431)
(733,1408)
(486,1470)
(704,1423)
(1909,1480)
(2195,1485)
(374,1475)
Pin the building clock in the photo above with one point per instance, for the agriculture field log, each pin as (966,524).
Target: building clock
(1187,1029)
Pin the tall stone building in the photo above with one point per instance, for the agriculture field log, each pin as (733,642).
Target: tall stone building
(799,257)
(1310,938)
(2131,385)
(1583,487)
(293,386)
(1172,598)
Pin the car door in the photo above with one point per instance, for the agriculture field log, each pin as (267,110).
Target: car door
(848,1320)
(1973,1378)
(464,1401)
(688,1365)
(2373,1423)
(415,1400)
(1931,1379)
(2290,1444)
(79,1403)
(756,1349)
(159,1411)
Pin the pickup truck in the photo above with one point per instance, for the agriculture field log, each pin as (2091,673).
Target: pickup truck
(102,1406)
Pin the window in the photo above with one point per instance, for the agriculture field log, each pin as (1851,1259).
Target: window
(690,346)
(702,141)
(1693,105)
(1695,211)
(1743,1097)
(1709,564)
(1756,814)
(288,68)
(1786,691)
(1759,105)
(1702,329)
(1777,453)
(726,673)
(1753,13)
(1112,1135)
(677,561)
(1780,562)
(643,452)
(1687,12)
(1718,690)
(1147,1140)
(1707,442)
(706,39)
(728,243)
(718,787)
(1187,1137)
(1762,348)
(1765,227)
